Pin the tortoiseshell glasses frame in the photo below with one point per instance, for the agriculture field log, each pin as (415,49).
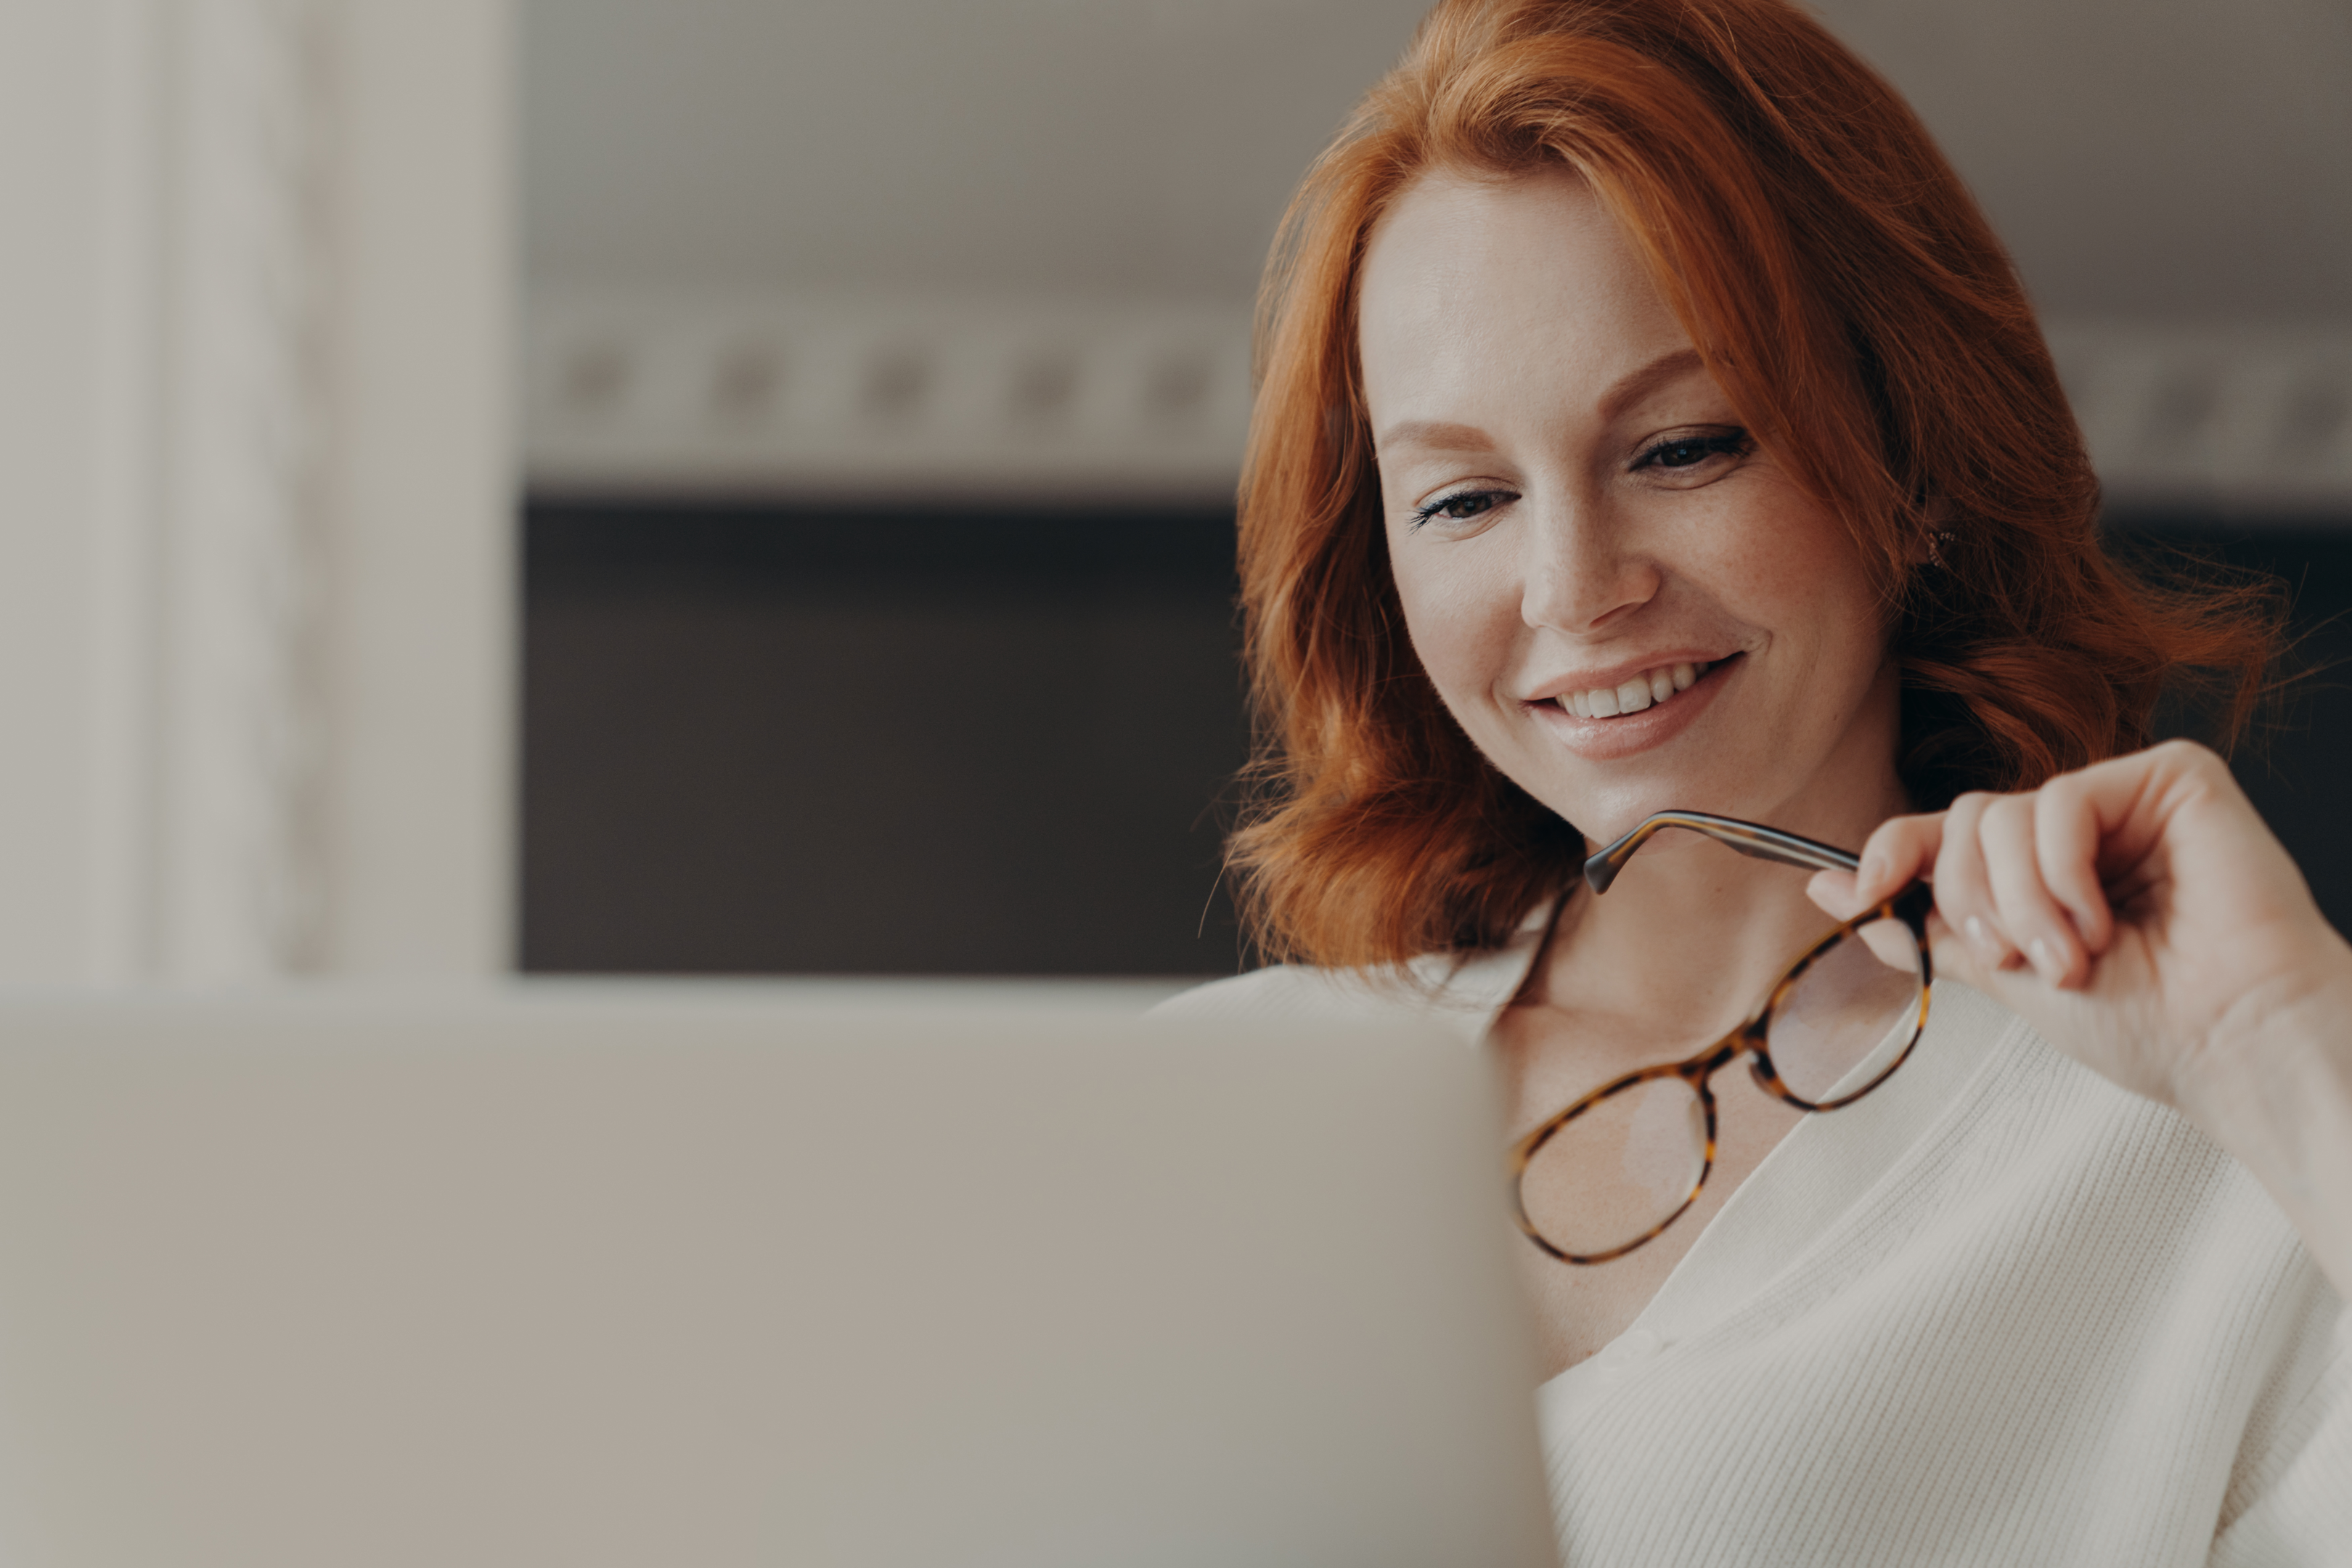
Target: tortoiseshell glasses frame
(1908,908)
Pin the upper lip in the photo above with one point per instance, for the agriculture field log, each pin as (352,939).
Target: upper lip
(1614,675)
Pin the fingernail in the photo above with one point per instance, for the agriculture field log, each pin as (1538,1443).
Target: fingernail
(1981,937)
(2045,959)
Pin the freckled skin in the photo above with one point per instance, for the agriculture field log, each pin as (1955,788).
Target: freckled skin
(1566,489)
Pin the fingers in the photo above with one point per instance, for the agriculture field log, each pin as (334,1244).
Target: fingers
(1901,850)
(1956,959)
(2024,880)
(1834,891)
(2017,878)
(2069,829)
(1964,892)
(2025,911)
(1982,856)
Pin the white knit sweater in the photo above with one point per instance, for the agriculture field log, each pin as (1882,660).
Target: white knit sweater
(1999,1313)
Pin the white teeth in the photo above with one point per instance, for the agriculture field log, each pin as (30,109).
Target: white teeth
(1650,687)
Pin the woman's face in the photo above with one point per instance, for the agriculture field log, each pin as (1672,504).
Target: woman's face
(1623,599)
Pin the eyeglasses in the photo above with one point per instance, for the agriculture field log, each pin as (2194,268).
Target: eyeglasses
(1617,1167)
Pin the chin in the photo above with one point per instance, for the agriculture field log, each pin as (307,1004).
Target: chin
(1607,809)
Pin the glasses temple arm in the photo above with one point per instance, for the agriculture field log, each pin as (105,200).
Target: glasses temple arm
(1746,837)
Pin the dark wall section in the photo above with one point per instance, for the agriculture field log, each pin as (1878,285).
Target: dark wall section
(759,740)
(2297,764)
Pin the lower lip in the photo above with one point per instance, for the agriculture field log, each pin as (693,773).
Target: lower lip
(1604,740)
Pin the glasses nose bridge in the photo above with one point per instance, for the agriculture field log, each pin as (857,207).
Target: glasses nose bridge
(1745,1041)
(1784,1078)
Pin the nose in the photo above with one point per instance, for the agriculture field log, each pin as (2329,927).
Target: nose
(1579,572)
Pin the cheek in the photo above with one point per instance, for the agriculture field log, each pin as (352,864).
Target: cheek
(1843,607)
(1795,569)
(1461,614)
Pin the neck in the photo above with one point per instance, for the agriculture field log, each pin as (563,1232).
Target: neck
(1691,933)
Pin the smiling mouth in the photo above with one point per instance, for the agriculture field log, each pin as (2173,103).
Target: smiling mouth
(1647,689)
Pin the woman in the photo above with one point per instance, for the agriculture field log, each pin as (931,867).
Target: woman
(1649,421)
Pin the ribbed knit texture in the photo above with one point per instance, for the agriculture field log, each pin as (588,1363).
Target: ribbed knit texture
(1999,1313)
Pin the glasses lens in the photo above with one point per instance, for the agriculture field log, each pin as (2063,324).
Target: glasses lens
(1615,1174)
(1845,1023)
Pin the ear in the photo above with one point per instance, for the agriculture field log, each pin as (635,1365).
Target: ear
(1934,531)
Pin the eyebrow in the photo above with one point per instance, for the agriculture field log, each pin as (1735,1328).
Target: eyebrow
(1435,433)
(1630,389)
(1445,435)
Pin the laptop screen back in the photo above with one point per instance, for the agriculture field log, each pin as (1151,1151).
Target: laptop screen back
(736,1275)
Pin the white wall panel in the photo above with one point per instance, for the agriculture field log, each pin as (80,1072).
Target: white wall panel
(419,824)
(63,429)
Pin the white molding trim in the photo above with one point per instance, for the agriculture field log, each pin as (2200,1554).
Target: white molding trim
(242,892)
(652,392)
(2249,419)
(668,393)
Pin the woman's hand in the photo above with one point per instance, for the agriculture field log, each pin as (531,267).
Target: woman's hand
(2138,912)
(2140,915)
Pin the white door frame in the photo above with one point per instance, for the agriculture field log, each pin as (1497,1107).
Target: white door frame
(256,583)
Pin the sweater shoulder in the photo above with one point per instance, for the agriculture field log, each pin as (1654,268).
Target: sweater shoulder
(1456,995)
(1299,992)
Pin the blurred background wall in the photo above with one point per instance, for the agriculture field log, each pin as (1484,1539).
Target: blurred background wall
(745,485)
(887,372)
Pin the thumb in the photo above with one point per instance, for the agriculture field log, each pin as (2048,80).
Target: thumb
(1836,893)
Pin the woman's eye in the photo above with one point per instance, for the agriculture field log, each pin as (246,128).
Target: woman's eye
(1459,507)
(1689,451)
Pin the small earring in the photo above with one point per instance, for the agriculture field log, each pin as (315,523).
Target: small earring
(1936,542)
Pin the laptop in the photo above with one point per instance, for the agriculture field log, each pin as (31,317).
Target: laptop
(726,1274)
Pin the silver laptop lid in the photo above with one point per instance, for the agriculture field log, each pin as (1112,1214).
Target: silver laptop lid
(734,1275)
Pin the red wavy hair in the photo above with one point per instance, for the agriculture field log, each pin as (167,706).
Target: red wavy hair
(1852,302)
